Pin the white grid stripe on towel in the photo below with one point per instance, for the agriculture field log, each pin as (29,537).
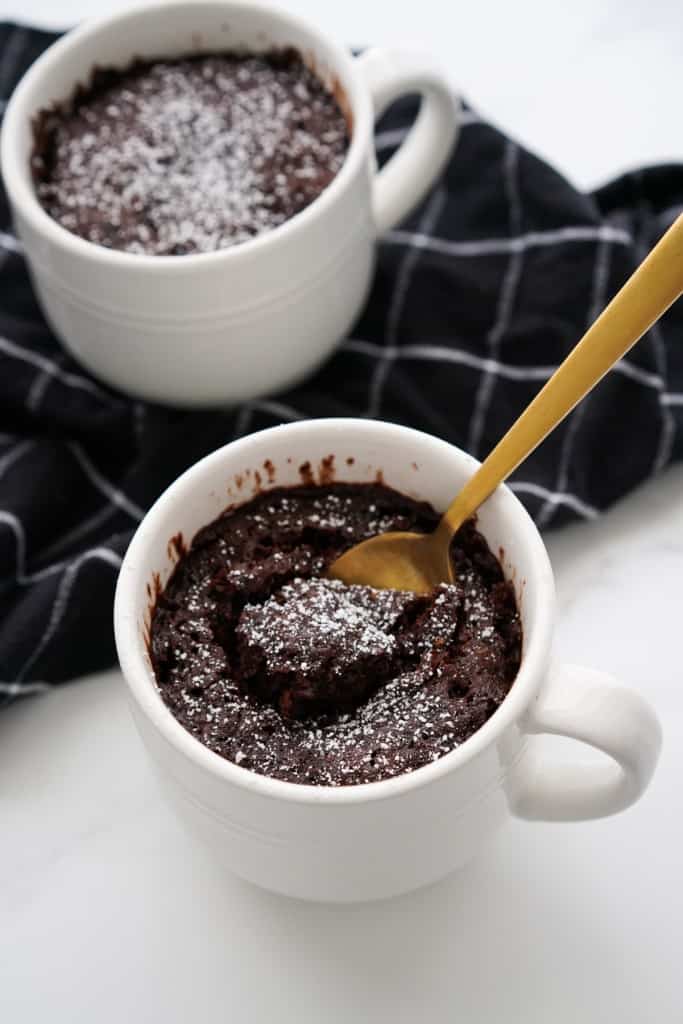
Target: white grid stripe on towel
(61,601)
(244,418)
(16,453)
(65,541)
(104,486)
(515,244)
(286,412)
(9,243)
(22,689)
(42,379)
(582,508)
(667,435)
(395,136)
(650,380)
(506,299)
(668,431)
(405,274)
(72,380)
(21,576)
(439,353)
(598,291)
(282,412)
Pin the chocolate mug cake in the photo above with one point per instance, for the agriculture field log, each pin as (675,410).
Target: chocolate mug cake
(302,678)
(188,155)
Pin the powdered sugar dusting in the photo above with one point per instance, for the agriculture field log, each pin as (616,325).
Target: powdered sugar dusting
(243,643)
(190,155)
(310,618)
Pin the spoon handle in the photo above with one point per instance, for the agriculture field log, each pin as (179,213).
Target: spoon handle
(648,293)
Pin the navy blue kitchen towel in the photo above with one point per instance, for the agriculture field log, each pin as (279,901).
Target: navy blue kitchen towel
(477,298)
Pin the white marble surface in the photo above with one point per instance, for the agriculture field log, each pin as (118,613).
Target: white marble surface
(109,914)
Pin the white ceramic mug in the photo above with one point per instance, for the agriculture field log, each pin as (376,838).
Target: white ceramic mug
(221,327)
(382,838)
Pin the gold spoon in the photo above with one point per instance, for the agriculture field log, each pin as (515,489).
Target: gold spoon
(418,562)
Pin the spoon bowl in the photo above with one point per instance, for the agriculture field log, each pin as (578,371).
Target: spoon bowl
(399,560)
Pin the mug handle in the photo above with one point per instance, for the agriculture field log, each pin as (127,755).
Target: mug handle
(589,706)
(408,175)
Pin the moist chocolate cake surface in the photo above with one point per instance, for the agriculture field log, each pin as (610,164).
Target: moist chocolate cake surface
(309,680)
(188,155)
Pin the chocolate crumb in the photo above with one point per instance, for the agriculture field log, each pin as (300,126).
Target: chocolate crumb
(306,474)
(326,472)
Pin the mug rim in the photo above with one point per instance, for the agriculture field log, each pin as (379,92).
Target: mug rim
(139,677)
(17,177)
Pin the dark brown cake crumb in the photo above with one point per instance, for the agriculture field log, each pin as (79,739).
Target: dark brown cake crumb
(317,645)
(188,155)
(309,680)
